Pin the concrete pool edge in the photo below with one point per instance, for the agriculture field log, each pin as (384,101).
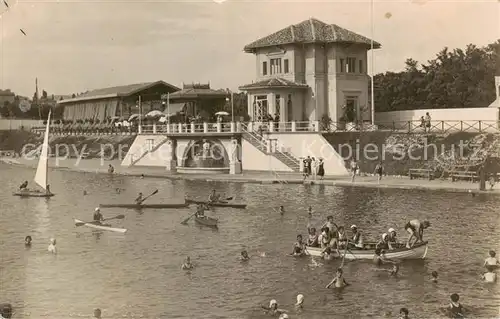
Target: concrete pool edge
(388,182)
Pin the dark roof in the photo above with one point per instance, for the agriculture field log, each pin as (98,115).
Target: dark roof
(116,91)
(310,31)
(195,91)
(273,83)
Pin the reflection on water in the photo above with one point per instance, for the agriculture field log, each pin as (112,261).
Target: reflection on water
(138,273)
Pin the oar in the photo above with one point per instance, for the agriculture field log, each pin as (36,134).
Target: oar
(186,220)
(345,252)
(116,217)
(153,193)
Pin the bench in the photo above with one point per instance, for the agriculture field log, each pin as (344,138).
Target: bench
(421,172)
(468,175)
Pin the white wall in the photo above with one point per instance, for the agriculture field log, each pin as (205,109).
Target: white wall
(16,124)
(452,117)
(253,159)
(314,145)
(139,147)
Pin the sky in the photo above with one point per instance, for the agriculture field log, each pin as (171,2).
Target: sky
(74,46)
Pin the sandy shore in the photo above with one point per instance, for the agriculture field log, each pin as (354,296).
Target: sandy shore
(98,167)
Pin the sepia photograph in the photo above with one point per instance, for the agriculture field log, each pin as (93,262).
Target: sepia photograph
(249,159)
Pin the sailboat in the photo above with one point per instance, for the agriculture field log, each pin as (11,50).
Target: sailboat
(41,175)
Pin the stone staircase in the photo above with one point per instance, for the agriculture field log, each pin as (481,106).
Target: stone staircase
(260,143)
(156,147)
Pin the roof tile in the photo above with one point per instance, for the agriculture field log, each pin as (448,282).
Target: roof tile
(273,83)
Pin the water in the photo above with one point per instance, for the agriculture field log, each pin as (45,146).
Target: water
(137,275)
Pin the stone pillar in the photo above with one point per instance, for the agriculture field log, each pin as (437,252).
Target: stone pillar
(154,128)
(168,128)
(250,126)
(238,127)
(316,126)
(271,126)
(219,127)
(301,164)
(268,146)
(234,161)
(294,126)
(192,128)
(233,127)
(140,129)
(179,128)
(171,164)
(205,127)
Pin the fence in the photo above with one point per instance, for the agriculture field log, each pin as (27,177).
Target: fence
(16,124)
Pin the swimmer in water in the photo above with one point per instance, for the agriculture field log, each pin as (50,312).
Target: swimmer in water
(97,313)
(299,248)
(327,253)
(27,241)
(434,275)
(300,301)
(281,210)
(394,271)
(187,265)
(52,247)
(489,276)
(244,256)
(403,313)
(455,309)
(338,281)
(491,263)
(273,309)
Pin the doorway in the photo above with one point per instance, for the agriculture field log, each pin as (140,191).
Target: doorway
(351,109)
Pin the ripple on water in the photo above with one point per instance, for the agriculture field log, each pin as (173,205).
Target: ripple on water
(137,275)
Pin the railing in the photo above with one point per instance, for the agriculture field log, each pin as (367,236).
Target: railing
(472,126)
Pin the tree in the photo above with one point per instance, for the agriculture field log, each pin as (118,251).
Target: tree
(454,79)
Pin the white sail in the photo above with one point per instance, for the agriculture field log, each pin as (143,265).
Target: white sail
(41,176)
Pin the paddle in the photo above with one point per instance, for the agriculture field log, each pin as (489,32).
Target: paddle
(116,217)
(186,220)
(345,252)
(142,200)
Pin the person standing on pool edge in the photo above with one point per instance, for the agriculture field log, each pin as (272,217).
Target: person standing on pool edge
(379,170)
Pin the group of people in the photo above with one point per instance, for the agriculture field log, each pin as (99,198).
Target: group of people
(355,170)
(313,168)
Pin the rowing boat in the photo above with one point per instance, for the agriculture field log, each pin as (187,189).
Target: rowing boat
(101,227)
(32,193)
(206,221)
(418,251)
(216,204)
(141,206)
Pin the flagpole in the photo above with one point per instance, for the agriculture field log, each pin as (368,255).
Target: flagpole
(140,114)
(168,111)
(371,66)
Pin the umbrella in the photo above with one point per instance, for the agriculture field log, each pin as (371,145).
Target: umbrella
(154,113)
(163,119)
(222,113)
(133,117)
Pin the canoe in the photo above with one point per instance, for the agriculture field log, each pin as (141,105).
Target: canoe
(32,194)
(207,221)
(141,206)
(101,227)
(419,251)
(217,204)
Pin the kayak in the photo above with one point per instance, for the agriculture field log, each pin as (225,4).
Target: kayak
(207,221)
(418,251)
(32,194)
(117,230)
(216,204)
(141,206)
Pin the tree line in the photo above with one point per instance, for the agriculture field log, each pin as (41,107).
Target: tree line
(454,79)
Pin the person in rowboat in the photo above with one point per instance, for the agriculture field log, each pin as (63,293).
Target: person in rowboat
(139,199)
(332,227)
(98,218)
(312,241)
(416,230)
(24,186)
(341,237)
(339,280)
(491,263)
(392,240)
(383,243)
(200,211)
(187,265)
(357,237)
(213,197)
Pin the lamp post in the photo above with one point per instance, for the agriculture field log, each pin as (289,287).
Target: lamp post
(139,105)
(371,66)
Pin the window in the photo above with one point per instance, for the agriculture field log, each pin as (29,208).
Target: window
(351,65)
(260,108)
(275,66)
(264,68)
(278,105)
(342,66)
(360,66)
(286,66)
